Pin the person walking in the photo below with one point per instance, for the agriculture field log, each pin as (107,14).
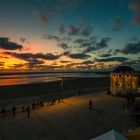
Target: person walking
(28,111)
(13,111)
(90,105)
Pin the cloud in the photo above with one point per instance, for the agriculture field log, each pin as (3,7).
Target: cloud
(76,55)
(80,41)
(64,61)
(119,59)
(31,56)
(87,62)
(106,55)
(117,23)
(34,62)
(103,43)
(51,37)
(82,30)
(92,45)
(64,46)
(6,44)
(89,49)
(135,7)
(130,48)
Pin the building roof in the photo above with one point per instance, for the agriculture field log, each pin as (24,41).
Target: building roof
(123,69)
(110,135)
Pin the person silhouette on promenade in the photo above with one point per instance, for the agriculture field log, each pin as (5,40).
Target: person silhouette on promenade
(28,111)
(13,111)
(3,111)
(90,105)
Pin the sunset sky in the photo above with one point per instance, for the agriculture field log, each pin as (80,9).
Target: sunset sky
(46,35)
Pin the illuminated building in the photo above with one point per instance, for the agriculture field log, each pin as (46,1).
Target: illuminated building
(123,80)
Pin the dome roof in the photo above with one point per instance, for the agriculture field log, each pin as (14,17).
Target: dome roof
(123,69)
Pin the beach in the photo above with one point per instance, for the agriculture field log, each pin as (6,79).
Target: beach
(71,119)
(53,88)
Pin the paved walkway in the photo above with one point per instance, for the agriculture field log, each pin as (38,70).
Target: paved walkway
(70,120)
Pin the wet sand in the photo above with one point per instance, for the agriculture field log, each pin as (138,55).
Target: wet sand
(53,88)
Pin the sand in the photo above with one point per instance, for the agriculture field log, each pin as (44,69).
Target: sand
(52,88)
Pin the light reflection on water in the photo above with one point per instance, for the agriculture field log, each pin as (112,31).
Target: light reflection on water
(38,78)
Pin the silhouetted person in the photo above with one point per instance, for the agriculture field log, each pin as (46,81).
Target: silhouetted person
(3,111)
(53,101)
(90,105)
(33,105)
(58,100)
(28,111)
(13,111)
(79,92)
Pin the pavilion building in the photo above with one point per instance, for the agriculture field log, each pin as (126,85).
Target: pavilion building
(123,80)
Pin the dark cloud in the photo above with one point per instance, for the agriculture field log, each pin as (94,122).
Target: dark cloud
(87,62)
(79,56)
(130,48)
(6,44)
(135,7)
(64,61)
(82,30)
(34,62)
(31,56)
(106,55)
(103,43)
(76,55)
(80,41)
(109,51)
(92,45)
(117,24)
(64,46)
(119,59)
(48,56)
(51,37)
(89,49)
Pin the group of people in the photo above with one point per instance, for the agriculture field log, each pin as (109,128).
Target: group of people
(13,111)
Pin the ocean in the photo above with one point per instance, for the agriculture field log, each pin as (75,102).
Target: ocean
(15,79)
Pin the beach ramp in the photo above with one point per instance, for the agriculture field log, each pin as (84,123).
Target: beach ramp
(110,135)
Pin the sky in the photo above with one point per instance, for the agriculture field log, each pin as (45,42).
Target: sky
(63,35)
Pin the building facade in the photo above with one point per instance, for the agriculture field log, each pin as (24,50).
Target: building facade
(123,80)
